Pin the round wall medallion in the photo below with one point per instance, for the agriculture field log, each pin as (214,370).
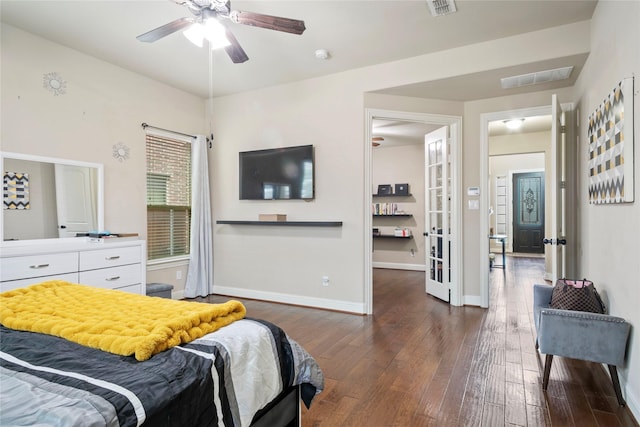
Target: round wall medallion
(120,152)
(54,83)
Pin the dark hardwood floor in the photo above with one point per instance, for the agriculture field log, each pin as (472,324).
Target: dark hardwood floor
(419,362)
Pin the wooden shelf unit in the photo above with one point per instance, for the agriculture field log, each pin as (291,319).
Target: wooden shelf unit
(284,223)
(389,236)
(391,195)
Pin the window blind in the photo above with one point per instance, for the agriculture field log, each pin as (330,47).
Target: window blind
(168,197)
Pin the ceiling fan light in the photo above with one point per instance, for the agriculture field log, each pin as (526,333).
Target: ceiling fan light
(195,34)
(215,32)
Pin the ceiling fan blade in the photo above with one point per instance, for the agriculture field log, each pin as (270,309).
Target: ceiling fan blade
(234,50)
(293,26)
(165,30)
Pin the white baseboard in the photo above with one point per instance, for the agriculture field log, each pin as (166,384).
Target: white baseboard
(399,266)
(632,400)
(472,300)
(327,304)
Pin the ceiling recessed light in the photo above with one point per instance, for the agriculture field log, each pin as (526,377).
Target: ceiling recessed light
(514,124)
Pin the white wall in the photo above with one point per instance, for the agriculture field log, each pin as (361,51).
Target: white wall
(288,263)
(609,245)
(396,165)
(103,105)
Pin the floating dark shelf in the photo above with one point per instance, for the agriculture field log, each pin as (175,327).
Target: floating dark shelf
(393,216)
(392,195)
(285,223)
(389,236)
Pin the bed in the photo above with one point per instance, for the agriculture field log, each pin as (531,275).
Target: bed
(248,372)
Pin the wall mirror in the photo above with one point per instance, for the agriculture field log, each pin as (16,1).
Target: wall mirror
(49,198)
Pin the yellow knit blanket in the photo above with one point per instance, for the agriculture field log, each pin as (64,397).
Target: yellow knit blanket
(113,321)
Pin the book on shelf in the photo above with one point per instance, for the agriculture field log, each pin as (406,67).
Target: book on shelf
(384,208)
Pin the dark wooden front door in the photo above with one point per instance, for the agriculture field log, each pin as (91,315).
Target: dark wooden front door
(528,212)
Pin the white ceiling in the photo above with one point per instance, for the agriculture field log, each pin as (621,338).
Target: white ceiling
(356,33)
(398,133)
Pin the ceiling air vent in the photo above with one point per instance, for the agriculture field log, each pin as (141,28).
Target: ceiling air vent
(538,77)
(441,7)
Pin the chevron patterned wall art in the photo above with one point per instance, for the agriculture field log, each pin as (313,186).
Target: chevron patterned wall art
(610,135)
(15,189)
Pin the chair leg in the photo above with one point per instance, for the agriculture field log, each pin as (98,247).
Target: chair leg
(547,371)
(616,384)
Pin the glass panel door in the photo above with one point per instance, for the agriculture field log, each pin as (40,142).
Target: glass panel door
(438,215)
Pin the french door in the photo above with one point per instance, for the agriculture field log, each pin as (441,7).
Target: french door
(438,213)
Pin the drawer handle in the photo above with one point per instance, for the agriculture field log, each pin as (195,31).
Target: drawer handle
(35,266)
(111,279)
(111,258)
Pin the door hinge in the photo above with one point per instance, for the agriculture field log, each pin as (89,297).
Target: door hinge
(563,129)
(563,184)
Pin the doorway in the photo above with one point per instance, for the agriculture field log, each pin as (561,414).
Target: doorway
(454,123)
(509,221)
(486,206)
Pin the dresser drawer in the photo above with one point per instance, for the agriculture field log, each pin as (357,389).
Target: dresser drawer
(112,278)
(15,284)
(90,260)
(25,267)
(132,289)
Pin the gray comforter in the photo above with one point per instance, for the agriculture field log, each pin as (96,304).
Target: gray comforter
(221,379)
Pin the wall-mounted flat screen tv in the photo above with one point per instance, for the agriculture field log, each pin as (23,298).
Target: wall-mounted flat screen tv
(277,173)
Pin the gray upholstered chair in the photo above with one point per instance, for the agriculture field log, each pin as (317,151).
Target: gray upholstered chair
(599,338)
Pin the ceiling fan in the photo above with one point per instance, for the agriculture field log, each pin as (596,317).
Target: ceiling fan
(207,12)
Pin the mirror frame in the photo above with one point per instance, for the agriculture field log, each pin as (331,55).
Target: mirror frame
(29,157)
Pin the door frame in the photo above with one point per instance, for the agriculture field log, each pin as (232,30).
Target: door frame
(455,126)
(483,230)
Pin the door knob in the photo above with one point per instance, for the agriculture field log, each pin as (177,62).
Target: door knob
(562,241)
(547,241)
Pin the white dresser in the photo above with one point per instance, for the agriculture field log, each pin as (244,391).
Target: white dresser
(114,265)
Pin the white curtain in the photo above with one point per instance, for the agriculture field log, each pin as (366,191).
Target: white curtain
(200,273)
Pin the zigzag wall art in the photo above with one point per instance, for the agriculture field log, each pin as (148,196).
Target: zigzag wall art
(15,190)
(610,135)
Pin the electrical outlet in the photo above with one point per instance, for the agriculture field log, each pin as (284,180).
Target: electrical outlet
(325,280)
(178,274)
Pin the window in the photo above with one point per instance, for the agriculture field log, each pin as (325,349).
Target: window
(168,197)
